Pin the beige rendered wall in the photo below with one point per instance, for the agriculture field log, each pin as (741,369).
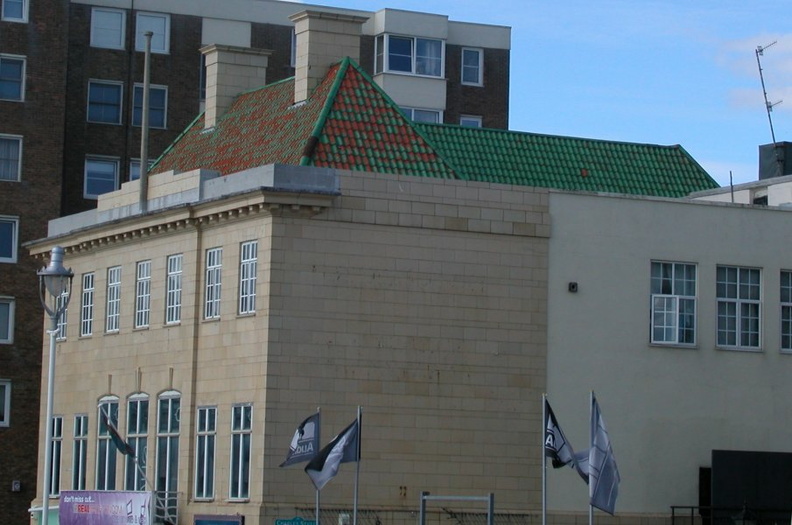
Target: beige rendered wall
(666,408)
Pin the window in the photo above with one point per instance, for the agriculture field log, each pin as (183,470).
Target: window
(107,28)
(472,66)
(56,447)
(7,305)
(60,301)
(673,288)
(137,437)
(214,266)
(403,54)
(205,452)
(87,305)
(470,121)
(157,23)
(167,475)
(248,258)
(786,310)
(113,299)
(158,107)
(241,430)
(422,115)
(739,310)
(9,232)
(104,101)
(101,176)
(293,53)
(5,403)
(173,289)
(15,10)
(143,294)
(10,157)
(80,454)
(106,451)
(134,168)
(12,78)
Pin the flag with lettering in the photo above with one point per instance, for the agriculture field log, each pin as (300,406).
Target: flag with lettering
(556,445)
(305,442)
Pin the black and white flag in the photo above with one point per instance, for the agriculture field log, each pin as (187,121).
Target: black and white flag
(344,448)
(603,473)
(556,445)
(305,441)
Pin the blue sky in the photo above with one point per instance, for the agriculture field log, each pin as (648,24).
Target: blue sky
(660,72)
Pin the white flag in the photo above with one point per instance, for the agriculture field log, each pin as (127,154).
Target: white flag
(603,473)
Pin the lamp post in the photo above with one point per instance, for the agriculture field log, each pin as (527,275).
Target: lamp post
(55,284)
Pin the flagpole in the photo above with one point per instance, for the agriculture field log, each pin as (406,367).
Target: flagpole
(357,465)
(591,441)
(544,460)
(319,441)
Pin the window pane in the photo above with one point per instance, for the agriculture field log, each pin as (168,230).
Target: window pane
(9,158)
(157,24)
(11,78)
(104,103)
(107,28)
(13,10)
(100,177)
(400,54)
(6,320)
(8,239)
(428,57)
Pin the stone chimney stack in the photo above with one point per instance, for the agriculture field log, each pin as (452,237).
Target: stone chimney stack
(322,40)
(230,70)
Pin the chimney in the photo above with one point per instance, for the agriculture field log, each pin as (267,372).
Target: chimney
(322,40)
(230,70)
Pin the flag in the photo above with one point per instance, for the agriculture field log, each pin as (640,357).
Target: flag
(305,442)
(344,448)
(603,473)
(122,446)
(556,445)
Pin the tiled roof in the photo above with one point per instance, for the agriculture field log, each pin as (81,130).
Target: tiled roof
(568,163)
(350,123)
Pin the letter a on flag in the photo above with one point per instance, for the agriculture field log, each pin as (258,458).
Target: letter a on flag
(556,445)
(305,442)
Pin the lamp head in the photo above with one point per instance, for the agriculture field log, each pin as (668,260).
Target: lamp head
(55,278)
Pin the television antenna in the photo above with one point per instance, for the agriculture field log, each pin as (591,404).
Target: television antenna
(768,105)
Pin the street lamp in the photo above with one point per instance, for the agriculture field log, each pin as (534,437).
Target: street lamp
(55,281)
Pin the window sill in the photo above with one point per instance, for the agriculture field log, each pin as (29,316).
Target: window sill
(678,346)
(211,320)
(408,74)
(247,314)
(238,500)
(741,349)
(472,84)
(140,328)
(172,324)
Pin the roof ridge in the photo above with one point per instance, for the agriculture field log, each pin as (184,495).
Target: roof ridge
(316,133)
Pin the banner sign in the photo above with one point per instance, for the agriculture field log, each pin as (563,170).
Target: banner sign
(102,507)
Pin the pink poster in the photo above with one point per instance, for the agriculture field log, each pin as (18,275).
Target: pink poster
(100,507)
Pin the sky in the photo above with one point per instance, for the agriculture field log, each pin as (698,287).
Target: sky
(649,71)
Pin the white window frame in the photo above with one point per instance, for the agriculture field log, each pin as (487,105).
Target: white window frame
(87,304)
(137,438)
(382,55)
(471,121)
(105,83)
(143,294)
(5,403)
(411,114)
(56,451)
(213,283)
(241,444)
(134,168)
(18,169)
(786,310)
(113,304)
(63,318)
(115,162)
(732,304)
(205,452)
(100,41)
(248,264)
(14,222)
(22,77)
(11,304)
(80,452)
(479,68)
(173,288)
(673,307)
(160,41)
(23,18)
(167,462)
(137,122)
(106,452)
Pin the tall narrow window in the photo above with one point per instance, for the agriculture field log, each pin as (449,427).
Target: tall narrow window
(106,451)
(7,305)
(5,403)
(248,260)
(472,62)
(143,294)
(60,301)
(10,158)
(113,299)
(205,452)
(173,289)
(15,10)
(786,310)
(12,78)
(56,447)
(214,266)
(241,430)
(673,289)
(739,307)
(80,451)
(158,106)
(137,437)
(167,475)
(87,305)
